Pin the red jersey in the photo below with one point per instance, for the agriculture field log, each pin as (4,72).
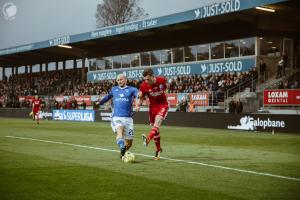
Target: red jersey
(155,92)
(36,104)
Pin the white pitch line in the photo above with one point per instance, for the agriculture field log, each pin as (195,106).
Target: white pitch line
(164,158)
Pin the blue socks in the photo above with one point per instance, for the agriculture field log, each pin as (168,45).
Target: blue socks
(120,143)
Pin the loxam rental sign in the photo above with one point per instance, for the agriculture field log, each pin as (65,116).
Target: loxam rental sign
(285,97)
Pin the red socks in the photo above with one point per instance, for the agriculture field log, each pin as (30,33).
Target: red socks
(154,134)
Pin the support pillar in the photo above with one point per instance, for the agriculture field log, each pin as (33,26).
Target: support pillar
(75,64)
(64,65)
(83,75)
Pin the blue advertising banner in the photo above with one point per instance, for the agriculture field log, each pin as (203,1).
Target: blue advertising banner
(74,115)
(218,8)
(203,68)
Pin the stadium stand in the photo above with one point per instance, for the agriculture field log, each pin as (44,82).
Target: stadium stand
(68,83)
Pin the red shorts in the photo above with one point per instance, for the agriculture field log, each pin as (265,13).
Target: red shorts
(158,110)
(36,111)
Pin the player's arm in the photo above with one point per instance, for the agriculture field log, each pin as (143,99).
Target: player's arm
(106,98)
(139,101)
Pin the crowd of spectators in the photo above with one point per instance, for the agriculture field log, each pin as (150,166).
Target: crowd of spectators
(69,83)
(288,84)
(210,83)
(41,83)
(179,84)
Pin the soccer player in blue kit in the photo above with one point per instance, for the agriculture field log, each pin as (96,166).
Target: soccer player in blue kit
(122,122)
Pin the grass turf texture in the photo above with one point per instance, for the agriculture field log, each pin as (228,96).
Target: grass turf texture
(32,169)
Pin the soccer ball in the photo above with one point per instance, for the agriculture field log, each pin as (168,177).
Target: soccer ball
(129,157)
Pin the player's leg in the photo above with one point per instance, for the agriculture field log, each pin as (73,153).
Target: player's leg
(118,128)
(156,118)
(128,143)
(149,137)
(159,118)
(156,138)
(128,133)
(120,140)
(37,117)
(31,114)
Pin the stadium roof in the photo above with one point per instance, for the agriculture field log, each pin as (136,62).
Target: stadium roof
(239,19)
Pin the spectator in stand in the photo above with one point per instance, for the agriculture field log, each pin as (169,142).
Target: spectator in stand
(295,85)
(239,107)
(286,85)
(182,106)
(191,106)
(263,70)
(68,104)
(285,59)
(83,105)
(232,106)
(74,104)
(279,69)
(280,85)
(96,106)
(56,105)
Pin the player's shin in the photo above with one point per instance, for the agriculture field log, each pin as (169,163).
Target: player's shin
(154,131)
(128,144)
(157,141)
(121,144)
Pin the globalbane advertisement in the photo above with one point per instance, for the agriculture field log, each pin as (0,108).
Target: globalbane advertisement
(74,115)
(251,123)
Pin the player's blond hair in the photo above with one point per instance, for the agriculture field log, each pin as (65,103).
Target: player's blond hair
(121,75)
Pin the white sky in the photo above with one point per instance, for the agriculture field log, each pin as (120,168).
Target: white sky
(38,20)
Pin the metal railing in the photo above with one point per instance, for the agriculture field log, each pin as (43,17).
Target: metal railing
(248,83)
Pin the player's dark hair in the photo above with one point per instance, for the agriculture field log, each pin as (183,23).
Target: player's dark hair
(147,72)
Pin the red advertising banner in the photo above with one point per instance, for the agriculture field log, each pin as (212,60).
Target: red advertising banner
(199,99)
(80,99)
(59,98)
(172,99)
(284,97)
(26,98)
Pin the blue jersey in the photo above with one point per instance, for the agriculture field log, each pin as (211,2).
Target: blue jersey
(122,100)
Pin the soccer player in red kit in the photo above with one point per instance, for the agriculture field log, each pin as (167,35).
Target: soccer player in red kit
(36,105)
(154,88)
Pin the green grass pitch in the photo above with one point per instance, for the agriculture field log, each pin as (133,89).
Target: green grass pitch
(76,160)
